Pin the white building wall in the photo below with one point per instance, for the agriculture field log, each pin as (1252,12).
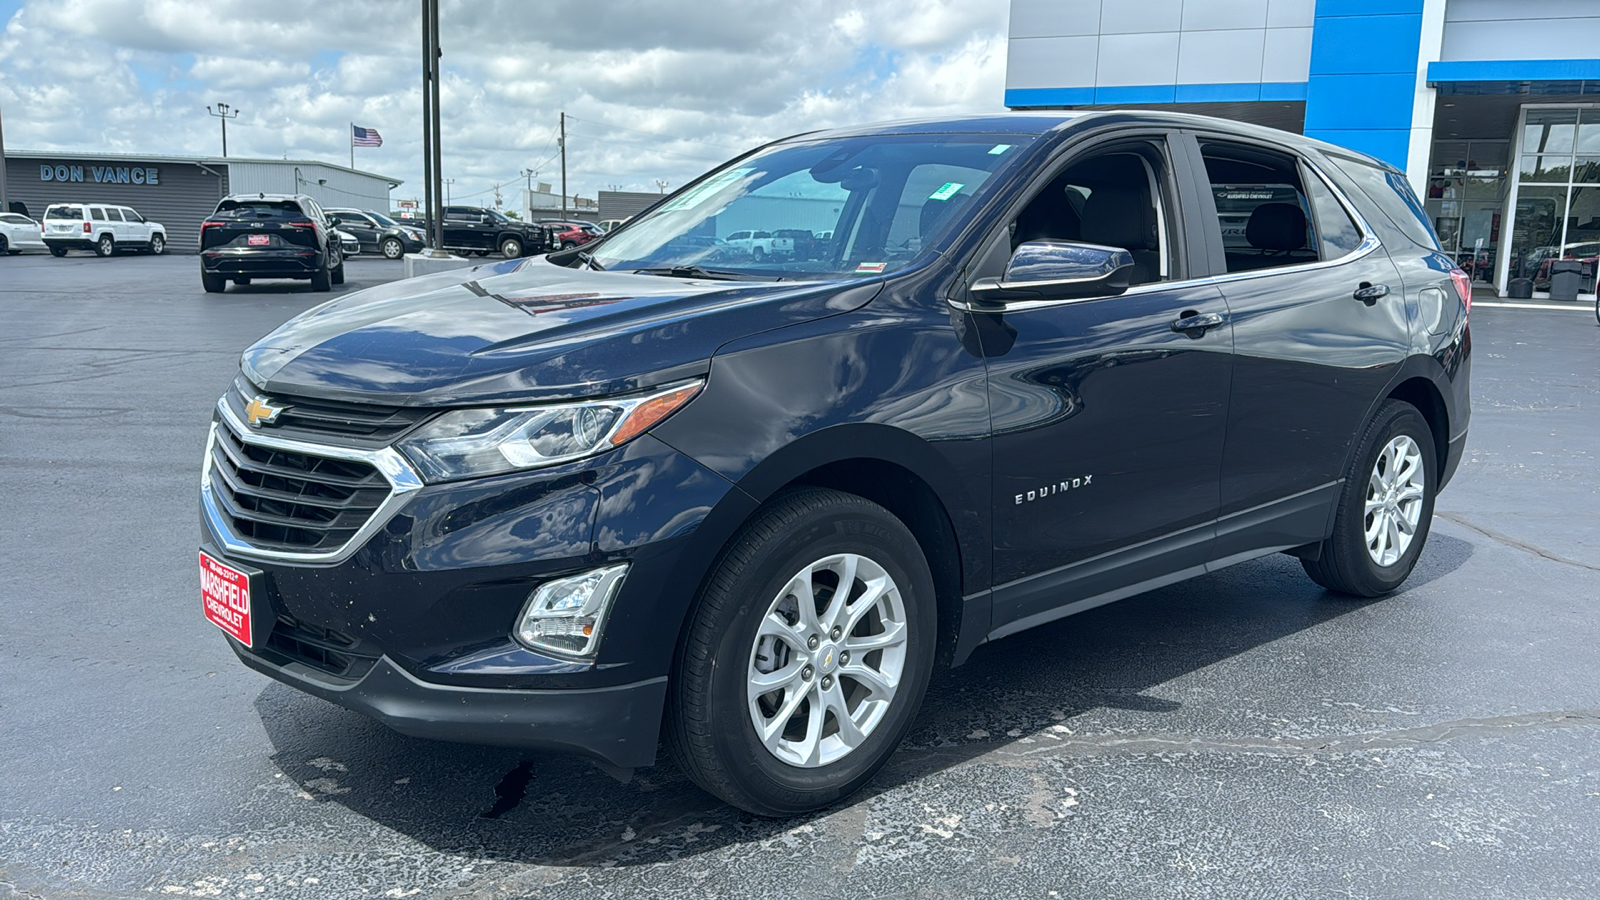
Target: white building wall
(1116,43)
(329,185)
(1521,29)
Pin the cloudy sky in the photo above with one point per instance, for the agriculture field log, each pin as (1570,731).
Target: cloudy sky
(654,89)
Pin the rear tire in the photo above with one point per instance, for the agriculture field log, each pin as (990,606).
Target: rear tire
(58,252)
(392,248)
(5,246)
(158,244)
(1391,480)
(752,654)
(105,246)
(214,284)
(511,248)
(321,281)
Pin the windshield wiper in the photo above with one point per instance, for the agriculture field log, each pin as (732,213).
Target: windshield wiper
(588,260)
(700,272)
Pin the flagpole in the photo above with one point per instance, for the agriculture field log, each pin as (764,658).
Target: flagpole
(352,145)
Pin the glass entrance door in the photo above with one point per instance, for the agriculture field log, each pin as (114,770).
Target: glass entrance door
(1556,205)
(1466,197)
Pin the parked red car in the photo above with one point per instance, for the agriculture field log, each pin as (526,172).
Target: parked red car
(566,235)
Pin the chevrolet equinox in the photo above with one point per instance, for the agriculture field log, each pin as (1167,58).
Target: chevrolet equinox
(657,488)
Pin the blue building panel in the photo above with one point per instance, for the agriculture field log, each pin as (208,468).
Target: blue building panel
(1148,93)
(1392,145)
(1019,98)
(1360,101)
(1515,70)
(1378,44)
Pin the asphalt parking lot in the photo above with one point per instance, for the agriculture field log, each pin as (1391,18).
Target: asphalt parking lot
(1242,734)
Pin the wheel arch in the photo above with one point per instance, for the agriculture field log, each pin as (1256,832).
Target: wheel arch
(1423,394)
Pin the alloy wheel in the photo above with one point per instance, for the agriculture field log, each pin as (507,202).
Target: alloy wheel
(1394,500)
(827,661)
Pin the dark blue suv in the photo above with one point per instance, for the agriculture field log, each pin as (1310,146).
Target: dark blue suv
(658,486)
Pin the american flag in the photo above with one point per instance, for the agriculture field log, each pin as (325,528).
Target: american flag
(365,137)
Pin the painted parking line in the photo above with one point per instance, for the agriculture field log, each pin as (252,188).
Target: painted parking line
(1566,306)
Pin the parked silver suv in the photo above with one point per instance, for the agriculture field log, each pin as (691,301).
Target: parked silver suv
(101,227)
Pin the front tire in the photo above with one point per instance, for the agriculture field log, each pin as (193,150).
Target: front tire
(1385,507)
(338,273)
(511,248)
(392,248)
(158,244)
(105,246)
(214,284)
(790,691)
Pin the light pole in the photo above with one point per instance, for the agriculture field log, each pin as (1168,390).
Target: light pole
(224,112)
(661,186)
(447,183)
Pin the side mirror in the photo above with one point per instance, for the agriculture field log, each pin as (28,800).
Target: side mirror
(335,221)
(1058,270)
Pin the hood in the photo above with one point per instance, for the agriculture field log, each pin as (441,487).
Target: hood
(525,330)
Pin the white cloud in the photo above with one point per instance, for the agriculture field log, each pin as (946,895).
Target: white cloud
(655,89)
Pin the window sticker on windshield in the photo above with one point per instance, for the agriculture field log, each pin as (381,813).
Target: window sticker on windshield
(700,193)
(950,189)
(872,268)
(998,149)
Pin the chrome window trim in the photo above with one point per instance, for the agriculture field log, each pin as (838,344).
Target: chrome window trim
(1369,243)
(403,481)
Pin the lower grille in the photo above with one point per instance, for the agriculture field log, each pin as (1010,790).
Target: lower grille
(290,500)
(320,648)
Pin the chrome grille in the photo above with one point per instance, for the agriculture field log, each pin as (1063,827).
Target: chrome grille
(309,418)
(291,500)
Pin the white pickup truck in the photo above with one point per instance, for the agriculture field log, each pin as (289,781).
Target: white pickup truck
(759,243)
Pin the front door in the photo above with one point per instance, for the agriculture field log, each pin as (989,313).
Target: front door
(1108,423)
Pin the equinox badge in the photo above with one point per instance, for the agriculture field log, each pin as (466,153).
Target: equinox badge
(259,412)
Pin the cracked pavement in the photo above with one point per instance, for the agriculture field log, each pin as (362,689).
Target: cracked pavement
(1241,734)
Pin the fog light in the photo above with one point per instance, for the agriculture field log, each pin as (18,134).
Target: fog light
(567,614)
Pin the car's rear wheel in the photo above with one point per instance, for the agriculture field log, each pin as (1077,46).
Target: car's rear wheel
(5,245)
(511,248)
(807,656)
(321,280)
(1385,507)
(105,246)
(392,248)
(58,251)
(214,284)
(158,244)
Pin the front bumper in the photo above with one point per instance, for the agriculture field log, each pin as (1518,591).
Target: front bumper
(617,725)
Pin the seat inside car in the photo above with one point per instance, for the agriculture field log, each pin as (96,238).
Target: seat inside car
(1118,211)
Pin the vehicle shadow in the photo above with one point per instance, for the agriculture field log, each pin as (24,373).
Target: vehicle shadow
(507,805)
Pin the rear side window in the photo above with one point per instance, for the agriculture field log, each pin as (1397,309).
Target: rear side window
(1392,194)
(1262,208)
(114,215)
(258,209)
(99,215)
(64,212)
(1333,224)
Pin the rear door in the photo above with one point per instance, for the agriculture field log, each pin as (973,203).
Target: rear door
(1108,424)
(1310,355)
(365,230)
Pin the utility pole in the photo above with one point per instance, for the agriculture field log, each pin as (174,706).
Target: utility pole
(528,174)
(497,195)
(563,165)
(224,112)
(447,183)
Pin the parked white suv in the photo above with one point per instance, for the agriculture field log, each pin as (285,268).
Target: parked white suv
(101,227)
(19,233)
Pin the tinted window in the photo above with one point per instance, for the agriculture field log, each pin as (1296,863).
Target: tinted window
(132,216)
(14,219)
(1338,232)
(97,213)
(1392,193)
(258,209)
(64,212)
(114,215)
(1261,207)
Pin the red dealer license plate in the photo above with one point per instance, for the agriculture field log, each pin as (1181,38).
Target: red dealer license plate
(225,597)
(260,240)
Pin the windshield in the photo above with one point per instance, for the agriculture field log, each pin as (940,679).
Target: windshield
(862,205)
(382,219)
(64,212)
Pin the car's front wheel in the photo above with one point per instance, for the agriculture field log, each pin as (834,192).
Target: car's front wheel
(1385,507)
(158,244)
(807,656)
(392,248)
(511,248)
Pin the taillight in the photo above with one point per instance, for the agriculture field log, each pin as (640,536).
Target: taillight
(86,229)
(1463,283)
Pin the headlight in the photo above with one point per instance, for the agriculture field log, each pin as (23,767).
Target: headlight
(471,443)
(566,615)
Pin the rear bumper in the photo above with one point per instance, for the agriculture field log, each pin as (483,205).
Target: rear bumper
(262,264)
(616,725)
(70,243)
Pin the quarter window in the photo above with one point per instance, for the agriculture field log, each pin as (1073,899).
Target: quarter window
(1333,224)
(97,214)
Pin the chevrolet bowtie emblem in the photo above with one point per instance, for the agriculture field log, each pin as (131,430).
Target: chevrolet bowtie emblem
(259,412)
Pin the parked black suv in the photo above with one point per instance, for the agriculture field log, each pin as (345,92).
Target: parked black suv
(654,485)
(269,236)
(477,229)
(377,233)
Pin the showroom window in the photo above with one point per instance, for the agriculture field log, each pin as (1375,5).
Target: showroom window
(1555,213)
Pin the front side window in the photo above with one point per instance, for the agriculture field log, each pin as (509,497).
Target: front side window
(815,209)
(132,216)
(1261,207)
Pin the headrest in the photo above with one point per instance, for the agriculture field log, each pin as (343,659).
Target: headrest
(1276,226)
(936,212)
(1118,216)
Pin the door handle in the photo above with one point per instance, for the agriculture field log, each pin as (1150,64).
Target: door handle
(1195,324)
(1369,293)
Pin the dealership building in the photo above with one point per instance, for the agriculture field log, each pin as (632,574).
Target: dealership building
(180,191)
(1491,107)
